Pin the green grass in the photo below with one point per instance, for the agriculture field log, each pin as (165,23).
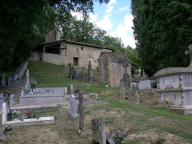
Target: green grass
(140,116)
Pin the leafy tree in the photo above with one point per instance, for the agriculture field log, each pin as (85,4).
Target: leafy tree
(163,32)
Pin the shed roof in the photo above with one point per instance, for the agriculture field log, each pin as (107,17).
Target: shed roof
(172,71)
(74,42)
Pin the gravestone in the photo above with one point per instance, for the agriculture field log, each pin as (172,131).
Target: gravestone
(90,72)
(28,84)
(126,76)
(4,113)
(3,82)
(71,89)
(73,107)
(81,111)
(98,131)
(122,89)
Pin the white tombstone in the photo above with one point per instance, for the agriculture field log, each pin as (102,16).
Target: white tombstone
(4,113)
(73,106)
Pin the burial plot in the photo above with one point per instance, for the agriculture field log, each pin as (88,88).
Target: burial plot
(176,86)
(43,97)
(23,122)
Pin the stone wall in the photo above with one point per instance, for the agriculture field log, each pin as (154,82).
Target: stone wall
(84,53)
(112,68)
(54,58)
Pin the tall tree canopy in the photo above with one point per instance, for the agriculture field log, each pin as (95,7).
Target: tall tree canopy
(163,30)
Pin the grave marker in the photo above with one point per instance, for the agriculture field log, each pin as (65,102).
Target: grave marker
(73,107)
(4,113)
(122,89)
(90,72)
(81,111)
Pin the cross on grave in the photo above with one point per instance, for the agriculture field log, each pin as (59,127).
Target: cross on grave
(189,52)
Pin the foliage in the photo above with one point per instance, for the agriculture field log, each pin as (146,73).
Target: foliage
(163,32)
(24,23)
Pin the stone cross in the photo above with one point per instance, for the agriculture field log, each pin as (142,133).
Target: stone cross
(90,72)
(4,113)
(122,89)
(189,52)
(81,111)
(73,107)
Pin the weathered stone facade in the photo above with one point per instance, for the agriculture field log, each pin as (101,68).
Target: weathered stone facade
(113,68)
(70,52)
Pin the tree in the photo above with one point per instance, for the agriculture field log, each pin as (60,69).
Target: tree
(163,32)
(24,23)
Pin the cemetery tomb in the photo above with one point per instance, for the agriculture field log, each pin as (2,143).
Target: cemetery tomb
(175,85)
(43,96)
(18,118)
(144,84)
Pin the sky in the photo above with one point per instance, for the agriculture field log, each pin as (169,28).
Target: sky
(114,17)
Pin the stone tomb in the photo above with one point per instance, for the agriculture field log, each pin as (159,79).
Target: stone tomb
(43,97)
(25,122)
(176,86)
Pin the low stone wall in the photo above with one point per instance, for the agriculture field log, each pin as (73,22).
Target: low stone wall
(150,97)
(54,58)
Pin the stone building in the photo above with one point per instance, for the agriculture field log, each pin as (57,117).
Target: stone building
(57,51)
(114,68)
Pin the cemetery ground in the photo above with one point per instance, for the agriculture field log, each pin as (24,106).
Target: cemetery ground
(145,124)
